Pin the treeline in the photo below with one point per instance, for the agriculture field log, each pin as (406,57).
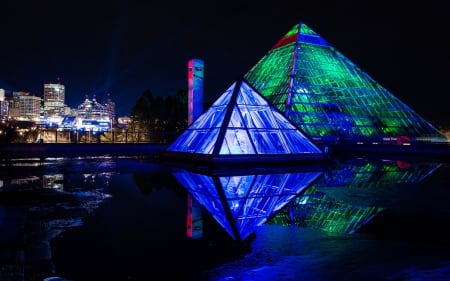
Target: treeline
(166,115)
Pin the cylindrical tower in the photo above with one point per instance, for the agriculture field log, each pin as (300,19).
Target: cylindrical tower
(195,89)
(195,109)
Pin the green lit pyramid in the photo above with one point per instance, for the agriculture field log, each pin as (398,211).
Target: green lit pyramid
(328,97)
(241,127)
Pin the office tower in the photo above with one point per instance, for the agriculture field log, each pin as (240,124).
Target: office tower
(54,99)
(29,108)
(3,106)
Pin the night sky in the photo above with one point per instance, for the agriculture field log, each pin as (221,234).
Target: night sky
(122,48)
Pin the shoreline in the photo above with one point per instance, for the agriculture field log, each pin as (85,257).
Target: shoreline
(437,152)
(44,150)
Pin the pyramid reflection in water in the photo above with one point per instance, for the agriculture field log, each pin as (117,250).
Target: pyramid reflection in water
(343,199)
(239,203)
(352,193)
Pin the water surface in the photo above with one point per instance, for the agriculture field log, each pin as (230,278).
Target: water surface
(126,219)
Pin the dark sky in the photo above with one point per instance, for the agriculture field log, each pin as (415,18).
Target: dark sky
(125,47)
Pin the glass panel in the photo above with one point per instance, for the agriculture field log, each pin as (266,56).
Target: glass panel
(236,120)
(269,141)
(237,142)
(206,146)
(213,117)
(248,97)
(224,99)
(263,117)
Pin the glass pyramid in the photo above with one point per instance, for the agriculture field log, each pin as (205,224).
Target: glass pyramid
(241,202)
(327,96)
(242,126)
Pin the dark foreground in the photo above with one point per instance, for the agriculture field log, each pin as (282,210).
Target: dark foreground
(115,218)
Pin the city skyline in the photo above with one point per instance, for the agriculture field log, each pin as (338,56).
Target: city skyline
(8,94)
(121,49)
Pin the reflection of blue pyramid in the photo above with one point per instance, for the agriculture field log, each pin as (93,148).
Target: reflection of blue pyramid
(239,203)
(241,126)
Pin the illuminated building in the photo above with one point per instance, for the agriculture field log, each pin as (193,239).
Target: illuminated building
(122,122)
(29,108)
(95,116)
(195,89)
(195,108)
(24,107)
(329,97)
(241,126)
(3,106)
(54,98)
(14,105)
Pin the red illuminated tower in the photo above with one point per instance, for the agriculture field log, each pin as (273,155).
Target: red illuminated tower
(195,89)
(195,108)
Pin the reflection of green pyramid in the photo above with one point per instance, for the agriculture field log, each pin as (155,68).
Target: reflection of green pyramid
(242,126)
(327,96)
(316,209)
(352,193)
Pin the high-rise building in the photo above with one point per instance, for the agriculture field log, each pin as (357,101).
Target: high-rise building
(29,108)
(54,98)
(14,111)
(3,106)
(330,98)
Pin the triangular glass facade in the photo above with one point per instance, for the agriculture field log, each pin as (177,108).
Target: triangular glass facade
(240,125)
(327,96)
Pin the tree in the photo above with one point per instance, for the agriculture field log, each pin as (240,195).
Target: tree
(166,117)
(142,113)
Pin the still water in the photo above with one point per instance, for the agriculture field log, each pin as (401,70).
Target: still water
(132,219)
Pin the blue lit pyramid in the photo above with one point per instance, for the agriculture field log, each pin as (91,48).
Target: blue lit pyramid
(242,127)
(240,203)
(328,97)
